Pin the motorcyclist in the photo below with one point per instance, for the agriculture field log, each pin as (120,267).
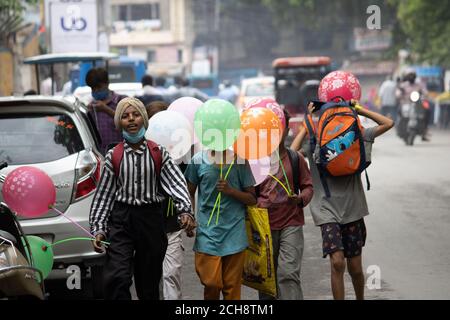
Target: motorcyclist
(409,85)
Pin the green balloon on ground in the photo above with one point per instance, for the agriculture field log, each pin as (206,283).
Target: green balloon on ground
(217,124)
(42,254)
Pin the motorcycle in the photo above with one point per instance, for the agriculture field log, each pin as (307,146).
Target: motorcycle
(18,278)
(412,118)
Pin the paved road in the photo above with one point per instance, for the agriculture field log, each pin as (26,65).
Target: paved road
(408,229)
(409,226)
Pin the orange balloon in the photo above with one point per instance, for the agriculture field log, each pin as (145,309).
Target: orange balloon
(260,134)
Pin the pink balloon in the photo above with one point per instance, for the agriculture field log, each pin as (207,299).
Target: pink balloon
(261,168)
(29,192)
(268,103)
(187,106)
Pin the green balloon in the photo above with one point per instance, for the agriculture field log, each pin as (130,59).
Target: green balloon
(217,124)
(42,254)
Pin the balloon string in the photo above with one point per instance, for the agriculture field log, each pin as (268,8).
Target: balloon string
(73,239)
(229,169)
(218,209)
(281,183)
(170,207)
(71,220)
(214,209)
(219,196)
(284,173)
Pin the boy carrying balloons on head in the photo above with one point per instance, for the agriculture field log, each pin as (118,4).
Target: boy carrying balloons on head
(339,204)
(127,207)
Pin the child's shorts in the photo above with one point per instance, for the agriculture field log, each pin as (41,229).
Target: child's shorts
(349,238)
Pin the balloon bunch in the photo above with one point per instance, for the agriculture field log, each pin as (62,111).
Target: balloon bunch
(254,135)
(30,193)
(173,128)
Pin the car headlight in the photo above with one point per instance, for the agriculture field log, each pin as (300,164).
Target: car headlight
(4,262)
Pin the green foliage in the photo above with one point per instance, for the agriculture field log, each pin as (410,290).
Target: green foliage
(11,17)
(427,26)
(322,14)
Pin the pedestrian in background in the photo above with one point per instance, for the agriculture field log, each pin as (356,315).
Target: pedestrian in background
(150,93)
(229,92)
(186,90)
(388,98)
(103,107)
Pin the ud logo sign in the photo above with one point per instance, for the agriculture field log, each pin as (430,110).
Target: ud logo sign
(73,23)
(73,26)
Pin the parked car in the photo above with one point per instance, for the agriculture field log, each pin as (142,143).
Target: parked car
(56,135)
(252,88)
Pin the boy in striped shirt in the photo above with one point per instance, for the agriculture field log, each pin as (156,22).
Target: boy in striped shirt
(127,207)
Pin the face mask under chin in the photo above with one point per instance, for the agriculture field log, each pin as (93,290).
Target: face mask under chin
(134,138)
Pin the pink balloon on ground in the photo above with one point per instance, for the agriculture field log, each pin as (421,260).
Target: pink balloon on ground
(187,106)
(268,103)
(29,192)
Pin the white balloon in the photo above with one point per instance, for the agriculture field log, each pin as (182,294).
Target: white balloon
(171,130)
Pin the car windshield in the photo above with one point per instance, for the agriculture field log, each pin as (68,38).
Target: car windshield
(259,89)
(301,74)
(36,138)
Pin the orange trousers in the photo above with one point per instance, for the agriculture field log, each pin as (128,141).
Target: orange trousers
(220,274)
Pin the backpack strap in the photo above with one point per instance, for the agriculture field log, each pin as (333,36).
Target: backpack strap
(155,153)
(367,180)
(117,156)
(324,182)
(311,132)
(295,164)
(313,142)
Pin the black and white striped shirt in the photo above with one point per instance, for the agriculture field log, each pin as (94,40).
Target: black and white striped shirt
(137,185)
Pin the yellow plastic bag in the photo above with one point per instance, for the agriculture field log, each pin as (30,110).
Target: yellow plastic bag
(259,271)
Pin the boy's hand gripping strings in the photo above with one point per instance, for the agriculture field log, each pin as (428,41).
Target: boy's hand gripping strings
(222,187)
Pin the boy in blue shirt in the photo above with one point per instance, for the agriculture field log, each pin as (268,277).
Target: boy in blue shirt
(220,248)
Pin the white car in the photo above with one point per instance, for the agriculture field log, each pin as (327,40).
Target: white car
(130,89)
(56,135)
(258,87)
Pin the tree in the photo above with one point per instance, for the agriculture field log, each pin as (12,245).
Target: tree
(426,25)
(11,18)
(318,14)
(11,23)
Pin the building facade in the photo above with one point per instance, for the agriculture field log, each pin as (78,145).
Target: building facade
(153,30)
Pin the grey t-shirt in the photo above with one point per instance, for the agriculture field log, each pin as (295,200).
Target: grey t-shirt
(348,200)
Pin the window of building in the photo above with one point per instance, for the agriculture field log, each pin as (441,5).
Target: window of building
(180,55)
(151,56)
(155,11)
(136,12)
(122,13)
(122,51)
(140,12)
